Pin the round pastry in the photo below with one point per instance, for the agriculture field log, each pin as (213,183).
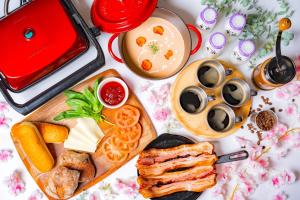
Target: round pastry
(80,162)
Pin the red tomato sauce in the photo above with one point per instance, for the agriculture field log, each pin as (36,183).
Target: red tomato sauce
(112,93)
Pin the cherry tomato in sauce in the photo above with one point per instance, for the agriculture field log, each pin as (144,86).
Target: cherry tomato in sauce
(112,93)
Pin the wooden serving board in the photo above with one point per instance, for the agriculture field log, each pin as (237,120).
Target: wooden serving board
(197,123)
(104,168)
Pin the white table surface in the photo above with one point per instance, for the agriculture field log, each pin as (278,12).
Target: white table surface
(188,10)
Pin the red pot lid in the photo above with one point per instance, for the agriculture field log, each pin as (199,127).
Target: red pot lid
(116,16)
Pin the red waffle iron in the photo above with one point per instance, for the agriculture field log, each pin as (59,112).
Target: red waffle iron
(37,40)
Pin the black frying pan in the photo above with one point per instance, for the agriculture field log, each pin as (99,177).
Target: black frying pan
(169,140)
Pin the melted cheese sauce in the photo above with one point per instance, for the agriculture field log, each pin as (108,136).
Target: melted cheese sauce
(156,47)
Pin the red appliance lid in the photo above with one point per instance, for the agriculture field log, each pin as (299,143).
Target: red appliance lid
(35,40)
(116,16)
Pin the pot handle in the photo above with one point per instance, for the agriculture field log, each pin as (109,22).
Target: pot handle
(199,37)
(236,156)
(110,42)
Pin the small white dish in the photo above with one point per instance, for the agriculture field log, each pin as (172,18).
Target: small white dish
(108,80)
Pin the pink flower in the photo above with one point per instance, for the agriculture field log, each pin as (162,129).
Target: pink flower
(223,177)
(280,196)
(15,183)
(129,187)
(263,162)
(248,184)
(252,147)
(263,176)
(120,184)
(289,90)
(225,172)
(282,94)
(288,177)
(282,152)
(283,178)
(5,154)
(279,130)
(239,196)
(162,114)
(94,196)
(144,87)
(276,181)
(153,98)
(3,106)
(219,190)
(290,110)
(292,139)
(164,91)
(4,121)
(159,97)
(293,88)
(36,195)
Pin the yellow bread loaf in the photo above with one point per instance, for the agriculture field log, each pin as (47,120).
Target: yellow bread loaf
(53,133)
(33,145)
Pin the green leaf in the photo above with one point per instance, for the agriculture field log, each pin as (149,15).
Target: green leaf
(70,114)
(78,104)
(95,88)
(92,99)
(70,94)
(286,43)
(203,2)
(83,104)
(262,52)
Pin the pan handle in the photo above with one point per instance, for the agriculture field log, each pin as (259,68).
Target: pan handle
(6,3)
(236,156)
(111,52)
(6,6)
(199,37)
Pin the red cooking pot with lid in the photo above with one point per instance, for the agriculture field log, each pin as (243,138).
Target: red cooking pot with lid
(122,16)
(115,16)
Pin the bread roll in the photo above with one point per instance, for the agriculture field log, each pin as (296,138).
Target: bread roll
(53,133)
(33,145)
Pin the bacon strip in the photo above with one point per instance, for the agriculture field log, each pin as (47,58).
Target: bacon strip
(189,161)
(152,156)
(196,172)
(197,185)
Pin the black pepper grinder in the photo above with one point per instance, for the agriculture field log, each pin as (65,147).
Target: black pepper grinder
(276,71)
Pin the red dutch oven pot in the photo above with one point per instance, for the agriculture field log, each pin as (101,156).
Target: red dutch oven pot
(118,17)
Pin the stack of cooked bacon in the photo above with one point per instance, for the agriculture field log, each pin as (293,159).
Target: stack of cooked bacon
(188,167)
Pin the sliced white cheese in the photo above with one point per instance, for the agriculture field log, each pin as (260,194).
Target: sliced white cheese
(84,125)
(79,135)
(75,144)
(94,127)
(85,136)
